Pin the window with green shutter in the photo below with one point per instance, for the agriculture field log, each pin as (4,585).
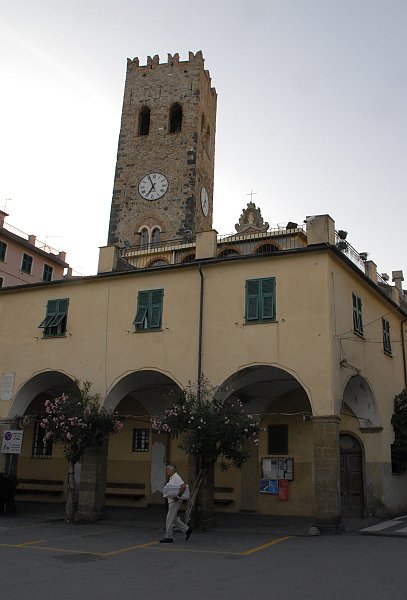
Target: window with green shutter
(47,273)
(357,314)
(27,263)
(149,310)
(54,324)
(386,336)
(260,300)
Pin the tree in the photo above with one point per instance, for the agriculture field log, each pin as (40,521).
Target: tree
(77,421)
(212,427)
(399,422)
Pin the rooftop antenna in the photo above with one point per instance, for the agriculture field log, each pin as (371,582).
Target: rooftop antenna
(5,204)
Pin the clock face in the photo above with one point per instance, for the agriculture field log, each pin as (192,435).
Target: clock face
(204,202)
(153,186)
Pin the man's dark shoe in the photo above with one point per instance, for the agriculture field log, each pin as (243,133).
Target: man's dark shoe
(166,541)
(188,533)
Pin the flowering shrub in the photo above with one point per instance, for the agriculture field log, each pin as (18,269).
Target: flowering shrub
(77,420)
(211,426)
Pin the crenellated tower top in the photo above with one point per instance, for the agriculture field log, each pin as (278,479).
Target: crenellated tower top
(165,162)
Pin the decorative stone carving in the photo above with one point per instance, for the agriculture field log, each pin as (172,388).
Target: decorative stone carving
(251,220)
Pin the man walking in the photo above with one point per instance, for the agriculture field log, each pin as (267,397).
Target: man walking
(173,491)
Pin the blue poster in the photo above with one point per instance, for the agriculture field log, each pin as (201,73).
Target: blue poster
(268,486)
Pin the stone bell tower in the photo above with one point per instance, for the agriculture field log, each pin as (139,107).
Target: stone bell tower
(163,186)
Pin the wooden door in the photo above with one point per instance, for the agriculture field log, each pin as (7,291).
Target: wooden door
(351,476)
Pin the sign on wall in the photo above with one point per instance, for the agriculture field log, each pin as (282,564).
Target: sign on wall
(278,467)
(6,386)
(12,441)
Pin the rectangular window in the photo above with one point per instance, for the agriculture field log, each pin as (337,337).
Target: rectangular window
(278,439)
(149,310)
(260,300)
(386,336)
(3,248)
(27,263)
(141,440)
(1,282)
(357,314)
(54,324)
(41,448)
(47,273)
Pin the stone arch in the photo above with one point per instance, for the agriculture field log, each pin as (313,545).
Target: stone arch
(359,398)
(136,397)
(263,385)
(228,252)
(267,248)
(156,387)
(274,397)
(51,383)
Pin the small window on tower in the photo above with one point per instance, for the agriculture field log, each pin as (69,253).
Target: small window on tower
(144,238)
(175,118)
(144,121)
(155,236)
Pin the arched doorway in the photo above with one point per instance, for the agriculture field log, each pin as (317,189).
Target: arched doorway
(138,455)
(351,465)
(280,404)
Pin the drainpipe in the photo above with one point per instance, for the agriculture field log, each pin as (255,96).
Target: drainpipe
(201,297)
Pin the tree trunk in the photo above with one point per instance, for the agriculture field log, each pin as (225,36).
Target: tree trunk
(72,498)
(191,504)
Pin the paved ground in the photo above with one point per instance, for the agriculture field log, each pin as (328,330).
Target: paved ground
(41,556)
(396,527)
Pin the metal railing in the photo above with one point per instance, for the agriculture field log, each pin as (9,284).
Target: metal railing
(38,244)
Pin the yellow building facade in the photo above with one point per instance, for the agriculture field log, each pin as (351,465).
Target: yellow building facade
(312,367)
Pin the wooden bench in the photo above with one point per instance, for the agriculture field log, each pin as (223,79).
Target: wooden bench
(125,490)
(223,500)
(49,487)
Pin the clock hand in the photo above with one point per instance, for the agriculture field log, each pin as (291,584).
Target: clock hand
(152,185)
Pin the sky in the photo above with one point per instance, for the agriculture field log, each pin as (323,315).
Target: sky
(312,112)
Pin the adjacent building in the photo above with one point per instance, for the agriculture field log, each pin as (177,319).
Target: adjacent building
(24,259)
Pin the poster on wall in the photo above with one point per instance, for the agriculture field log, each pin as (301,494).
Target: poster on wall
(282,489)
(268,486)
(278,467)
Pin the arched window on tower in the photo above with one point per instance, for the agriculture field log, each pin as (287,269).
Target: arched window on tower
(155,236)
(175,118)
(143,237)
(144,121)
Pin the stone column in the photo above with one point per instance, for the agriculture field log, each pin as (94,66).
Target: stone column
(93,483)
(327,474)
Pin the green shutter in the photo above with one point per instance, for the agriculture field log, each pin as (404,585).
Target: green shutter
(268,298)
(357,314)
(149,309)
(56,313)
(386,336)
(154,318)
(252,299)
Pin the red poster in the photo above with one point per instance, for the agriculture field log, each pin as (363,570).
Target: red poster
(282,489)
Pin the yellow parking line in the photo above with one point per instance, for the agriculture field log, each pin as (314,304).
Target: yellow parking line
(122,550)
(264,546)
(198,551)
(29,543)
